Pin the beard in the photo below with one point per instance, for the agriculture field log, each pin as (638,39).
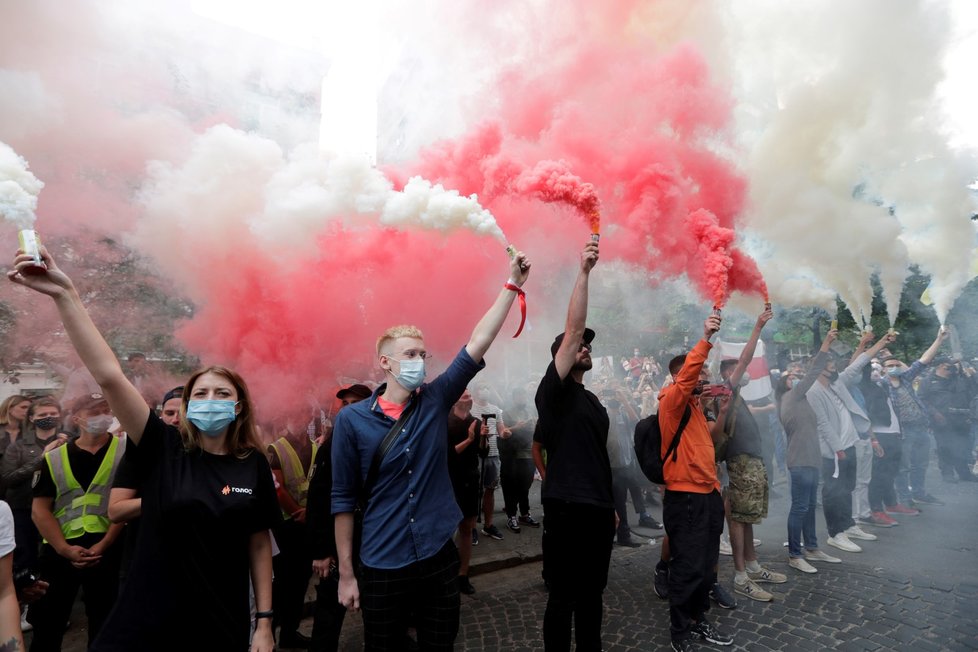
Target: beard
(584,364)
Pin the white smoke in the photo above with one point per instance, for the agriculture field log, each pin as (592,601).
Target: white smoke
(842,104)
(19,189)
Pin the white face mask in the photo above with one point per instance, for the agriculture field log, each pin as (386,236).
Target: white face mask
(412,374)
(99,425)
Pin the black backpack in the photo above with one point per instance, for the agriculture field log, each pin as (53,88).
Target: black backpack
(648,444)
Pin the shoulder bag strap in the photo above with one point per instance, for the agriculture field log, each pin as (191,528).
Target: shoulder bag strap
(384,448)
(674,444)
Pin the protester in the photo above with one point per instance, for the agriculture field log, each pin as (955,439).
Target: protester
(915,426)
(208,502)
(949,392)
(328,614)
(409,563)
(70,509)
(803,459)
(11,638)
(492,418)
(466,444)
(20,463)
(886,447)
(579,514)
(13,413)
(841,424)
(516,464)
(621,454)
(748,481)
(692,509)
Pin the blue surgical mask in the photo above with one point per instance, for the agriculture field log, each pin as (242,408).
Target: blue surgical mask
(412,374)
(893,371)
(211,416)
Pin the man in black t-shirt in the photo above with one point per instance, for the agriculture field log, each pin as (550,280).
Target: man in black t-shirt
(467,442)
(579,515)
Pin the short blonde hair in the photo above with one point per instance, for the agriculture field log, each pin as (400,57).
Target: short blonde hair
(394,332)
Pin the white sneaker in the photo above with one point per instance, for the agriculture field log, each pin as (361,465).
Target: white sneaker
(842,542)
(725,548)
(799,563)
(818,555)
(856,532)
(757,543)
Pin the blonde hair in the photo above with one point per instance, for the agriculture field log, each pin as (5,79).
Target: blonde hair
(10,402)
(395,332)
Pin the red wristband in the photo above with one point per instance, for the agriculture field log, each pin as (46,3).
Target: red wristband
(518,290)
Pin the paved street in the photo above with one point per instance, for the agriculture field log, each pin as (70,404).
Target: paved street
(914,589)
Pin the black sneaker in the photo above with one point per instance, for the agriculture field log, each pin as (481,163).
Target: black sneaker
(927,499)
(493,532)
(529,520)
(648,521)
(704,630)
(475,537)
(685,645)
(722,597)
(629,543)
(513,524)
(464,585)
(660,582)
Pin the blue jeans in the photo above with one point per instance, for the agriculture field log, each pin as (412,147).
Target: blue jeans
(801,518)
(913,464)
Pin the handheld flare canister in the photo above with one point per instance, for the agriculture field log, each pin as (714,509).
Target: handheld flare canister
(30,244)
(834,325)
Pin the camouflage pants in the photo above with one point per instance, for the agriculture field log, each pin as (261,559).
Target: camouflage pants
(747,489)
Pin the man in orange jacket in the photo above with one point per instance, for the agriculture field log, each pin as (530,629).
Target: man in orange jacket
(692,508)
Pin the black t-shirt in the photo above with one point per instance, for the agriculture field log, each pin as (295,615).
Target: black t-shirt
(188,585)
(465,465)
(84,466)
(745,436)
(573,427)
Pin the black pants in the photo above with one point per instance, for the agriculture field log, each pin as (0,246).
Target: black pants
(837,492)
(577,554)
(620,481)
(954,450)
(694,523)
(50,614)
(328,616)
(293,568)
(425,592)
(881,489)
(516,478)
(27,539)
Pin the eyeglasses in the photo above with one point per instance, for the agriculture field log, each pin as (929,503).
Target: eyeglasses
(411,354)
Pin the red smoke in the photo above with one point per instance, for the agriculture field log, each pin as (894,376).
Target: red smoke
(635,127)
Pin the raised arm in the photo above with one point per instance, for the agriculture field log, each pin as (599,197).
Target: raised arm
(931,352)
(864,341)
(748,353)
(576,313)
(127,404)
(488,327)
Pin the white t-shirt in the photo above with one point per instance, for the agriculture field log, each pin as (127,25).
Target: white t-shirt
(6,530)
(488,408)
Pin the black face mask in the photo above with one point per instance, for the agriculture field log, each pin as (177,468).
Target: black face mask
(833,376)
(46,423)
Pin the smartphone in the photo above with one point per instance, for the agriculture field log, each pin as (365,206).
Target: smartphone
(490,421)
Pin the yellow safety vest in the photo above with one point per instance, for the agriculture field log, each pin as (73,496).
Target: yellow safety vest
(295,477)
(79,510)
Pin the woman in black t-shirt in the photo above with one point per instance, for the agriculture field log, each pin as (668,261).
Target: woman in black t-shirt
(208,501)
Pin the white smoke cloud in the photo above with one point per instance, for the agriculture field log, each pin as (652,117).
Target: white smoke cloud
(19,189)
(843,102)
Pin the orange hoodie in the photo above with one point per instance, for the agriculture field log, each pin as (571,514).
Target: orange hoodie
(694,469)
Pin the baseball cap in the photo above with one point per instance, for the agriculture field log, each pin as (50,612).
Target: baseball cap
(588,336)
(86,401)
(358,390)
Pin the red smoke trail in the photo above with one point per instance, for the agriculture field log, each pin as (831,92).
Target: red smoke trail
(638,128)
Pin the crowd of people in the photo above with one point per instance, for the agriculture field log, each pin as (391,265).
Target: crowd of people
(178,510)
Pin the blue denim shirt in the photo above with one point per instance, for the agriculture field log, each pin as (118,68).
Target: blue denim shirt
(412,512)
